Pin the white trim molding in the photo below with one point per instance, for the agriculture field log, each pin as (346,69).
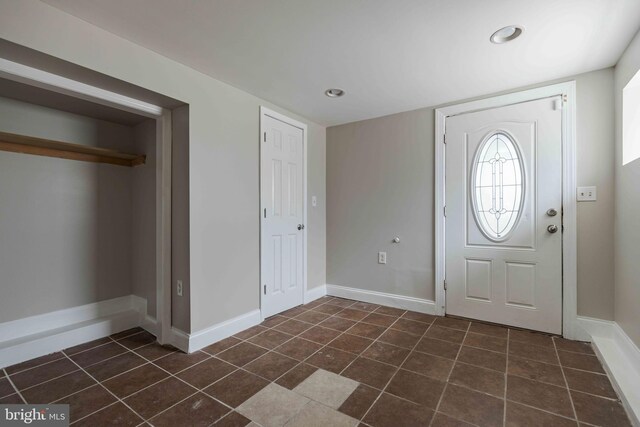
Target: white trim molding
(145,321)
(205,337)
(53,82)
(315,293)
(569,238)
(222,330)
(264,112)
(392,300)
(36,336)
(620,358)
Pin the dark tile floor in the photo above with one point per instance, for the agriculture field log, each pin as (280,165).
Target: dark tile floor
(333,362)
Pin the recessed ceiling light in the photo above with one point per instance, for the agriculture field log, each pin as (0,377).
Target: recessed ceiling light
(506,34)
(334,93)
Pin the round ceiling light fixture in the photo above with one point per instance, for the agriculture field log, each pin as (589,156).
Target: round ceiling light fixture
(334,93)
(506,34)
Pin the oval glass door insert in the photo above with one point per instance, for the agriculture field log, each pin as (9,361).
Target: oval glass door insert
(497,186)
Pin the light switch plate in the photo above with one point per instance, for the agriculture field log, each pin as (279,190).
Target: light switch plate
(587,194)
(314,201)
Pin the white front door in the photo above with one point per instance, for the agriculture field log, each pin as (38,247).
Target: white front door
(504,215)
(282,203)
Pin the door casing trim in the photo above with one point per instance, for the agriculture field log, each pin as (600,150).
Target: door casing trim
(570,327)
(266,112)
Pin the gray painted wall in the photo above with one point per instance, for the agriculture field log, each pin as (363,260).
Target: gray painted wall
(65,226)
(380,184)
(223,155)
(627,228)
(316,183)
(180,313)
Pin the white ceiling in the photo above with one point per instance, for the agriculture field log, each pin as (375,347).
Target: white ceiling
(388,55)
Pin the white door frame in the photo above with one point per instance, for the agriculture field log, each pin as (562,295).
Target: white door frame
(39,78)
(266,112)
(567,90)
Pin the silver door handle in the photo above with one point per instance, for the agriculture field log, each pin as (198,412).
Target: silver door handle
(552,212)
(552,228)
(300,226)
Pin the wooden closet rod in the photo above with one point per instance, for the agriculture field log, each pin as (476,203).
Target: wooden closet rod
(46,147)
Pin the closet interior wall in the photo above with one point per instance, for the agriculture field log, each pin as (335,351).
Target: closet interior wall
(74,232)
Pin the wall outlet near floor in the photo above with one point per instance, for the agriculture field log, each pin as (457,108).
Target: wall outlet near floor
(382,257)
(586,194)
(179,288)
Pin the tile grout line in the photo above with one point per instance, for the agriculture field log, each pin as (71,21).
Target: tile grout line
(172,375)
(566,383)
(14,386)
(33,367)
(47,381)
(144,388)
(327,344)
(342,333)
(241,340)
(372,342)
(145,420)
(295,336)
(506,377)
(64,355)
(298,335)
(398,367)
(446,383)
(546,411)
(108,391)
(323,346)
(273,350)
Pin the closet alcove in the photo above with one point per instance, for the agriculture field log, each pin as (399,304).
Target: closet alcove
(79,206)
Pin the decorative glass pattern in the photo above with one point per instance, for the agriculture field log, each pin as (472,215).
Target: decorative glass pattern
(497,186)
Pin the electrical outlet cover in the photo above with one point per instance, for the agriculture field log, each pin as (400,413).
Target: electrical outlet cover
(586,194)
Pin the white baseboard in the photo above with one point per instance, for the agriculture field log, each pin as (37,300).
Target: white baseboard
(146,321)
(399,301)
(180,340)
(36,336)
(217,332)
(620,358)
(315,293)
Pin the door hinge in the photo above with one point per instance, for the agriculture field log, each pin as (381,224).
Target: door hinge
(445,285)
(265,212)
(264,137)
(445,210)
(265,289)
(444,138)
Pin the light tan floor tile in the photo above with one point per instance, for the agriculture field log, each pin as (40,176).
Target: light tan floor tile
(272,406)
(327,388)
(317,415)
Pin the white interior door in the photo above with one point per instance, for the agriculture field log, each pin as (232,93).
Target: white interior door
(282,203)
(503,239)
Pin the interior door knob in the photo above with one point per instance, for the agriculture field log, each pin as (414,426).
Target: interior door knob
(552,212)
(552,228)
(300,226)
